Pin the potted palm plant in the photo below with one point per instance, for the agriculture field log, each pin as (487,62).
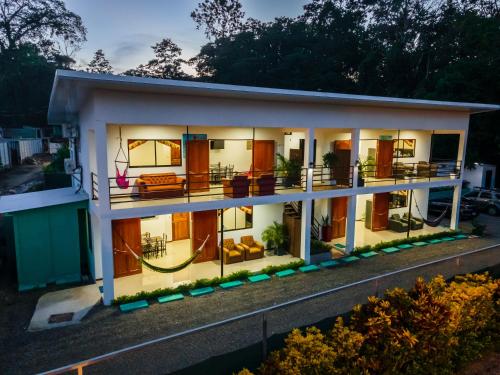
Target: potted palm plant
(329,161)
(365,169)
(289,170)
(326,229)
(276,235)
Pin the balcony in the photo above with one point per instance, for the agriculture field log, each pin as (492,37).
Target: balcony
(398,173)
(218,184)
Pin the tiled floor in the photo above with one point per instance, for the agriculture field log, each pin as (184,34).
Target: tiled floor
(177,252)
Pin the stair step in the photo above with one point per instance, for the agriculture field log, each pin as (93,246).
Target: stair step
(231,284)
(390,250)
(131,306)
(309,268)
(259,278)
(368,254)
(420,243)
(329,263)
(201,291)
(170,298)
(285,273)
(405,246)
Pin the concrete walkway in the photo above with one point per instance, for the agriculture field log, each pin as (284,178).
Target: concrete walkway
(73,302)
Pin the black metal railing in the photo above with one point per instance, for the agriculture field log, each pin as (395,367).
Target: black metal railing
(94,186)
(411,172)
(315,229)
(194,187)
(325,178)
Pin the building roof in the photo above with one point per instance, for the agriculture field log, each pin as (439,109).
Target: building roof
(38,199)
(70,89)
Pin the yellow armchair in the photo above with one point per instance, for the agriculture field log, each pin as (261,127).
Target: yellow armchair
(232,253)
(253,249)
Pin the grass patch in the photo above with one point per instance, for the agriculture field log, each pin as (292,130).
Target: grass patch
(403,241)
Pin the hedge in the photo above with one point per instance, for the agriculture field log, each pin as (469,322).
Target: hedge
(202,283)
(383,245)
(435,328)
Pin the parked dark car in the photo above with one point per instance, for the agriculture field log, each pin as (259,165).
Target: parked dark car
(468,209)
(485,200)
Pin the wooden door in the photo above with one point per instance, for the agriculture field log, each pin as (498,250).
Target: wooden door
(263,157)
(197,165)
(205,222)
(342,170)
(385,150)
(180,226)
(126,231)
(380,211)
(339,216)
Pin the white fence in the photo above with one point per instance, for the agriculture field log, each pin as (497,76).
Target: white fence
(29,147)
(5,161)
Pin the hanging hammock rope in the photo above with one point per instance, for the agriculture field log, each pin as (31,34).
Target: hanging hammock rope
(436,221)
(121,178)
(154,268)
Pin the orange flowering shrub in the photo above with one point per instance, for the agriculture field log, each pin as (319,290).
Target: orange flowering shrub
(431,329)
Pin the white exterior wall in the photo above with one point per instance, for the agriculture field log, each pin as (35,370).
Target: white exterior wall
(138,114)
(477,176)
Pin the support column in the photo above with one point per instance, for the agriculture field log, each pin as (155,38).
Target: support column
(462,146)
(355,133)
(309,158)
(107,261)
(305,230)
(351,224)
(101,150)
(455,207)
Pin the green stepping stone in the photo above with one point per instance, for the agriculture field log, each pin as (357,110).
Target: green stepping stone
(309,268)
(420,243)
(350,259)
(390,250)
(285,273)
(435,241)
(171,298)
(201,291)
(259,278)
(231,284)
(447,239)
(405,246)
(368,254)
(339,246)
(329,263)
(461,237)
(128,307)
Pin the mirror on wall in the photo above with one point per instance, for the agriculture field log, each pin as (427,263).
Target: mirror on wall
(154,152)
(404,148)
(237,218)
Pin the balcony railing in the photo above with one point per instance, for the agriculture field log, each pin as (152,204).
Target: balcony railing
(408,172)
(196,187)
(94,186)
(332,178)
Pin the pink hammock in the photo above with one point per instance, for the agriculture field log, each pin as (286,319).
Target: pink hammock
(121,178)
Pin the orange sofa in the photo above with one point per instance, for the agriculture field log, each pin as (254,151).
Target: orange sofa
(160,185)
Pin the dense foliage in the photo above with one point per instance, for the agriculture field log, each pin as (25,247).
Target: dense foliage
(430,49)
(435,328)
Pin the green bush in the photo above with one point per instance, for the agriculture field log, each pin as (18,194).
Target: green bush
(435,328)
(57,165)
(203,283)
(318,247)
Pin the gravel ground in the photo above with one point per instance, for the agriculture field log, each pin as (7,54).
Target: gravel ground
(106,329)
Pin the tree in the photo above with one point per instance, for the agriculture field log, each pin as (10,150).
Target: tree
(40,22)
(99,64)
(166,64)
(219,18)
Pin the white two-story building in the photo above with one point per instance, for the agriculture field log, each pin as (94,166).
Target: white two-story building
(167,164)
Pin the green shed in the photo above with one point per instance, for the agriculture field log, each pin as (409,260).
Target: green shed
(51,244)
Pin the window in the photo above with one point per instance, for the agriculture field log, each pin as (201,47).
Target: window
(154,152)
(237,218)
(398,199)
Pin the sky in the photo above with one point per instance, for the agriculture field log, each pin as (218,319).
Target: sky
(126,29)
